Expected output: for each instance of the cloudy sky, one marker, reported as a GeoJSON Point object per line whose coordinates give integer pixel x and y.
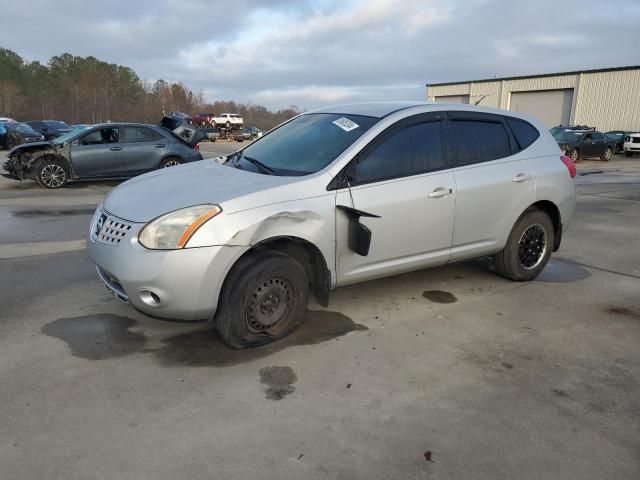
{"type": "Point", "coordinates": [310, 53]}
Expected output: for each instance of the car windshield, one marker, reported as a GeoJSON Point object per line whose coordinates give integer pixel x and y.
{"type": "Point", "coordinates": [567, 136]}
{"type": "Point", "coordinates": [304, 145]}
{"type": "Point", "coordinates": [69, 135]}
{"type": "Point", "coordinates": [24, 128]}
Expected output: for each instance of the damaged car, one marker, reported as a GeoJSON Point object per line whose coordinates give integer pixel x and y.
{"type": "Point", "coordinates": [106, 151]}
{"type": "Point", "coordinates": [330, 198]}
{"type": "Point", "coordinates": [16, 133]}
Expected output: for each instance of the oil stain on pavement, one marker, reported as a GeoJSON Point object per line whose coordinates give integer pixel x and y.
{"type": "Point", "coordinates": [102, 336]}
{"type": "Point", "coordinates": [97, 337]}
{"type": "Point", "coordinates": [279, 381]}
{"type": "Point", "coordinates": [204, 348]}
{"type": "Point", "coordinates": [439, 296]}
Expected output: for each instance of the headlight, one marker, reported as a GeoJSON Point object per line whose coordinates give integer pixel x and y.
{"type": "Point", "coordinates": [173, 230]}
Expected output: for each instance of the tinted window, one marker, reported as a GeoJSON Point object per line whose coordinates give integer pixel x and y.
{"type": "Point", "coordinates": [524, 132]}
{"type": "Point", "coordinates": [597, 136]}
{"type": "Point", "coordinates": [479, 141]}
{"type": "Point", "coordinates": [140, 134]}
{"type": "Point", "coordinates": [97, 137]}
{"type": "Point", "coordinates": [412, 150]}
{"type": "Point", "coordinates": [588, 136]}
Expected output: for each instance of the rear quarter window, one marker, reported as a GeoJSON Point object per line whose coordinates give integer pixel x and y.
{"type": "Point", "coordinates": [479, 140]}
{"type": "Point", "coordinates": [524, 132]}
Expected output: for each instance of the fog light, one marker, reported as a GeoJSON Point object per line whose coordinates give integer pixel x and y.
{"type": "Point", "coordinates": [149, 298]}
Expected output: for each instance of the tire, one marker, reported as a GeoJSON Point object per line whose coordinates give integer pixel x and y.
{"type": "Point", "coordinates": [628, 154]}
{"type": "Point", "coordinates": [170, 162]}
{"type": "Point", "coordinates": [519, 263]}
{"type": "Point", "coordinates": [252, 311]}
{"type": "Point", "coordinates": [606, 156]}
{"type": "Point", "coordinates": [574, 153]}
{"type": "Point", "coordinates": [52, 174]}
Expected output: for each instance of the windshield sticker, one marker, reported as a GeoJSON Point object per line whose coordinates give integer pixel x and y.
{"type": "Point", "coordinates": [345, 124]}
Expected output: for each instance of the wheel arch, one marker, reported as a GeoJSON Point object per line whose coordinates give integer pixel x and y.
{"type": "Point", "coordinates": [303, 251]}
{"type": "Point", "coordinates": [552, 210]}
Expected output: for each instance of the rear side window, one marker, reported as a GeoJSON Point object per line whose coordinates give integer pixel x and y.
{"type": "Point", "coordinates": [524, 132]}
{"type": "Point", "coordinates": [412, 150]}
{"type": "Point", "coordinates": [478, 141]}
{"type": "Point", "coordinates": [140, 134]}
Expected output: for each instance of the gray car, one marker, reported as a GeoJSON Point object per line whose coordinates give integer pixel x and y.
{"type": "Point", "coordinates": [330, 198]}
{"type": "Point", "coordinates": [104, 151]}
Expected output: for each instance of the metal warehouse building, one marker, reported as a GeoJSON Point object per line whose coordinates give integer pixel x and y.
{"type": "Point", "coordinates": [608, 99]}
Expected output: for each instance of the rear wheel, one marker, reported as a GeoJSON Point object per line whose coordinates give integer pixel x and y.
{"type": "Point", "coordinates": [574, 153]}
{"type": "Point", "coordinates": [52, 174]}
{"type": "Point", "coordinates": [263, 299]}
{"type": "Point", "coordinates": [608, 153]}
{"type": "Point", "coordinates": [170, 162]}
{"type": "Point", "coordinates": [528, 247]}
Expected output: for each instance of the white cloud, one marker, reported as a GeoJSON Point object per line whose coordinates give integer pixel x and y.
{"type": "Point", "coordinates": [313, 52]}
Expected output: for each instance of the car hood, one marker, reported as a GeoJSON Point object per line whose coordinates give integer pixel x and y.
{"type": "Point", "coordinates": [148, 196]}
{"type": "Point", "coordinates": [27, 147]}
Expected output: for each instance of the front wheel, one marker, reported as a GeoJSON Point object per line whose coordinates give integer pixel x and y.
{"type": "Point", "coordinates": [528, 247]}
{"type": "Point", "coordinates": [606, 156]}
{"type": "Point", "coordinates": [263, 299]}
{"type": "Point", "coordinates": [52, 174]}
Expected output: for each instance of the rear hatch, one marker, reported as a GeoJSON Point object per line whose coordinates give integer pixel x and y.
{"type": "Point", "coordinates": [185, 132]}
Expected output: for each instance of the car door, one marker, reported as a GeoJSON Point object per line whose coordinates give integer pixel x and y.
{"type": "Point", "coordinates": [587, 146]}
{"type": "Point", "coordinates": [495, 183]}
{"type": "Point", "coordinates": [403, 179]}
{"type": "Point", "coordinates": [143, 149]}
{"type": "Point", "coordinates": [599, 144]}
{"type": "Point", "coordinates": [98, 153]}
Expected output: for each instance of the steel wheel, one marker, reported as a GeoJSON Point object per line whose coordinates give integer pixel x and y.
{"type": "Point", "coordinates": [171, 163]}
{"type": "Point", "coordinates": [532, 246]}
{"type": "Point", "coordinates": [270, 303]}
{"type": "Point", "coordinates": [53, 175]}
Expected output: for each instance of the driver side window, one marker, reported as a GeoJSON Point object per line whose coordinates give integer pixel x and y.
{"type": "Point", "coordinates": [101, 136]}
{"type": "Point", "coordinates": [413, 150]}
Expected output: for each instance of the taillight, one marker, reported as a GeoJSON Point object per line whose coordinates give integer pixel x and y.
{"type": "Point", "coordinates": [569, 163]}
{"type": "Point", "coordinates": [197, 147]}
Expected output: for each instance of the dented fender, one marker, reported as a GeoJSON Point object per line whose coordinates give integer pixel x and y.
{"type": "Point", "coordinates": [315, 224]}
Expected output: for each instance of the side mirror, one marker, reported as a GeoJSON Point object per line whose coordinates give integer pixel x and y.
{"type": "Point", "coordinates": [75, 143]}
{"type": "Point", "coordinates": [359, 235]}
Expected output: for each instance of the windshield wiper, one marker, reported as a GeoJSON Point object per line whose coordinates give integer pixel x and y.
{"type": "Point", "coordinates": [261, 166]}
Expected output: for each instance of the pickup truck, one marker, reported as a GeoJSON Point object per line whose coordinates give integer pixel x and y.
{"type": "Point", "coordinates": [228, 120]}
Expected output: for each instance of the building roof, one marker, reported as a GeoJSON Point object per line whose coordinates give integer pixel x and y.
{"type": "Point", "coordinates": [521, 77]}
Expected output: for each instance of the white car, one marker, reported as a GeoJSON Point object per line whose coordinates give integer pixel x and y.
{"type": "Point", "coordinates": [330, 198]}
{"type": "Point", "coordinates": [631, 144]}
{"type": "Point", "coordinates": [228, 120]}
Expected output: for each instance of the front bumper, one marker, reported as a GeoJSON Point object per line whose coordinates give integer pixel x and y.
{"type": "Point", "coordinates": [187, 282]}
{"type": "Point", "coordinates": [631, 147]}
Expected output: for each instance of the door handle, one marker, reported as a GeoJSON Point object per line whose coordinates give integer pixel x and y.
{"type": "Point", "coordinates": [159, 145]}
{"type": "Point", "coordinates": [522, 177]}
{"type": "Point", "coordinates": [115, 149]}
{"type": "Point", "coordinates": [440, 192]}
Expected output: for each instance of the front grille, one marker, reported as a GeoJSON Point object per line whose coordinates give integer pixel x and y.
{"type": "Point", "coordinates": [110, 230]}
{"type": "Point", "coordinates": [635, 139]}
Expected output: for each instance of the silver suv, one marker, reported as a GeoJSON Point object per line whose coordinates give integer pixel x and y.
{"type": "Point", "coordinates": [330, 198]}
